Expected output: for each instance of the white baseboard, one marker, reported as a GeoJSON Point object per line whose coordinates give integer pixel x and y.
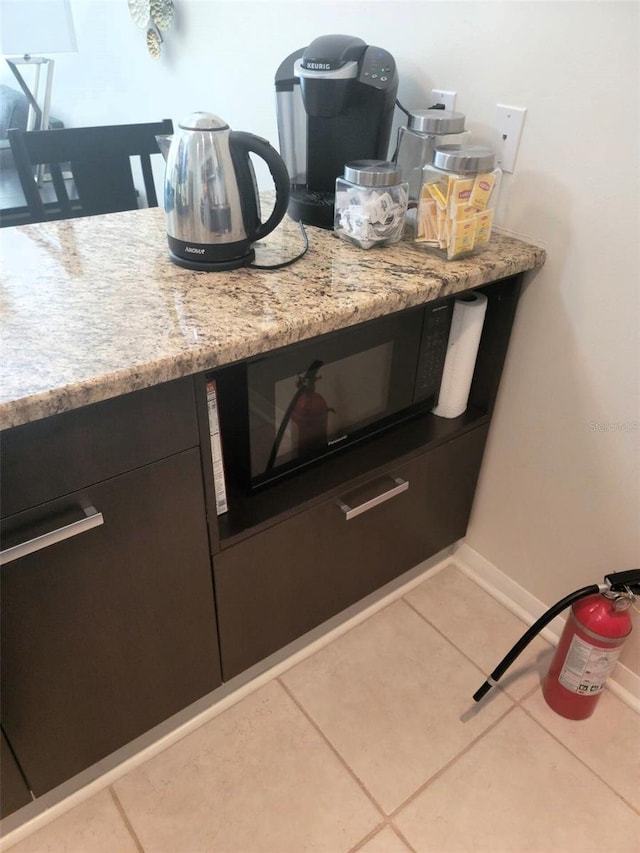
{"type": "Point", "coordinates": [623, 683]}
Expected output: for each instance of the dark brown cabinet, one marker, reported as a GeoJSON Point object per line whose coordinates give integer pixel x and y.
{"type": "Point", "coordinates": [108, 633]}
{"type": "Point", "coordinates": [111, 630]}
{"type": "Point", "coordinates": [57, 455]}
{"type": "Point", "coordinates": [276, 585]}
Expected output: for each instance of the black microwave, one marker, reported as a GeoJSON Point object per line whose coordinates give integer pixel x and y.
{"type": "Point", "coordinates": [288, 408]}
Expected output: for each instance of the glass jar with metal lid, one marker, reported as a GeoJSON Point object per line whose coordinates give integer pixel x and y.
{"type": "Point", "coordinates": [457, 198]}
{"type": "Point", "coordinates": [424, 131]}
{"type": "Point", "coordinates": [370, 203]}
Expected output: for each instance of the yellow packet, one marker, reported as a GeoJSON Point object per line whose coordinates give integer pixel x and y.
{"type": "Point", "coordinates": [425, 195]}
{"type": "Point", "coordinates": [484, 221]}
{"type": "Point", "coordinates": [482, 187]}
{"type": "Point", "coordinates": [439, 192]}
{"type": "Point", "coordinates": [443, 229]}
{"type": "Point", "coordinates": [426, 221]}
{"type": "Point", "coordinates": [446, 183]}
{"type": "Point", "coordinates": [463, 211]}
{"type": "Point", "coordinates": [432, 229]}
{"type": "Point", "coordinates": [460, 190]}
{"type": "Point", "coordinates": [420, 218]}
{"type": "Point", "coordinates": [462, 238]}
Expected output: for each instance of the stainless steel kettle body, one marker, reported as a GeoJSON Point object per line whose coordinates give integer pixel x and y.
{"type": "Point", "coordinates": [210, 193]}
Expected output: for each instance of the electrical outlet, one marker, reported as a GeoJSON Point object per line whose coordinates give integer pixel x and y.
{"type": "Point", "coordinates": [442, 96]}
{"type": "Point", "coordinates": [509, 124]}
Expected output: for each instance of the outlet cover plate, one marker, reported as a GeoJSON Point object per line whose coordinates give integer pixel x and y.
{"type": "Point", "coordinates": [444, 96]}
{"type": "Point", "coordinates": [509, 123]}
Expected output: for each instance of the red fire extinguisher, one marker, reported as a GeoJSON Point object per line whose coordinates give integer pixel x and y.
{"type": "Point", "coordinates": [591, 642]}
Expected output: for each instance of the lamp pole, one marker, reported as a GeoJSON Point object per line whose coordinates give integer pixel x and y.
{"type": "Point", "coordinates": [38, 115]}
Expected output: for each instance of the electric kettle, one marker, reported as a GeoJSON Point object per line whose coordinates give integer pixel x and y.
{"type": "Point", "coordinates": [211, 196]}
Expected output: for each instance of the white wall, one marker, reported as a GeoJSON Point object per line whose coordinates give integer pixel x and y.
{"type": "Point", "coordinates": [559, 496]}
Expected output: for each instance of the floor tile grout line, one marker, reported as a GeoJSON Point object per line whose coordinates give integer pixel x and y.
{"type": "Point", "coordinates": [499, 687]}
{"type": "Point", "coordinates": [401, 836]}
{"type": "Point", "coordinates": [635, 809]}
{"type": "Point", "coordinates": [392, 815]}
{"type": "Point", "coordinates": [351, 628]}
{"type": "Point", "coordinates": [388, 817]}
{"type": "Point", "coordinates": [367, 838]}
{"type": "Point", "coordinates": [333, 749]}
{"type": "Point", "coordinates": [125, 818]}
{"type": "Point", "coordinates": [529, 694]}
{"type": "Point", "coordinates": [451, 643]}
{"type": "Point", "coordinates": [374, 832]}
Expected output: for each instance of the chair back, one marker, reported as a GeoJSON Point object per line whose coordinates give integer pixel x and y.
{"type": "Point", "coordinates": [99, 160]}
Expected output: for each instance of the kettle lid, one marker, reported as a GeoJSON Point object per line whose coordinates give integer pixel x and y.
{"type": "Point", "coordinates": [203, 121]}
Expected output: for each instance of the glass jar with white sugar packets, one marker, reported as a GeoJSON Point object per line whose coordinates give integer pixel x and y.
{"type": "Point", "coordinates": [457, 199]}
{"type": "Point", "coordinates": [370, 203]}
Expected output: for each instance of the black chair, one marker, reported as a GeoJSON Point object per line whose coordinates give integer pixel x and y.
{"type": "Point", "coordinates": [99, 160]}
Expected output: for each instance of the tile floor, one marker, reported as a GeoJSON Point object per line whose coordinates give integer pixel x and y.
{"type": "Point", "coordinates": [373, 744]}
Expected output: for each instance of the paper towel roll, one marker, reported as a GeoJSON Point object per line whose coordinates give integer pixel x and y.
{"type": "Point", "coordinates": [462, 350]}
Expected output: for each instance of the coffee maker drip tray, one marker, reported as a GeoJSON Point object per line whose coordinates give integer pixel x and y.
{"type": "Point", "coordinates": [311, 206]}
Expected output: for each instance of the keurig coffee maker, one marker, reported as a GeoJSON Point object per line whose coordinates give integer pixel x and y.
{"type": "Point", "coordinates": [335, 100]}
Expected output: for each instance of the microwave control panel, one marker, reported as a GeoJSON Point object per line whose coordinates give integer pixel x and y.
{"type": "Point", "coordinates": [433, 350]}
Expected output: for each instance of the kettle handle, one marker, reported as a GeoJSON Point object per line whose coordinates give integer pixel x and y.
{"type": "Point", "coordinates": [241, 143]}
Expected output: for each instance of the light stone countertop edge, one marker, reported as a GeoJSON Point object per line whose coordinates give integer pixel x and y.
{"type": "Point", "coordinates": [81, 321]}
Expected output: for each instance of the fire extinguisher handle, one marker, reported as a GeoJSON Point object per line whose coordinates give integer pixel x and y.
{"type": "Point", "coordinates": [528, 636]}
{"type": "Point", "coordinates": [620, 581]}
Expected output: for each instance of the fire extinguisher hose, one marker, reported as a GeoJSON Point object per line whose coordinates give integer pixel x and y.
{"type": "Point", "coordinates": [528, 636]}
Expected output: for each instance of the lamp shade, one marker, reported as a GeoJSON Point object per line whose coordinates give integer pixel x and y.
{"type": "Point", "coordinates": [36, 27]}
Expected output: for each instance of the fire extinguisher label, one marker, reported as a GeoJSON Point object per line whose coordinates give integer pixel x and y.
{"type": "Point", "coordinates": [587, 667]}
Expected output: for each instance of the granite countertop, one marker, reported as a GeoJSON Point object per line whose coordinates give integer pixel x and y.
{"type": "Point", "coordinates": [92, 308]}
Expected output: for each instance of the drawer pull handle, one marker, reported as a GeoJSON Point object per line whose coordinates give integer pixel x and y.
{"type": "Point", "coordinates": [351, 512]}
{"type": "Point", "coordinates": [92, 519]}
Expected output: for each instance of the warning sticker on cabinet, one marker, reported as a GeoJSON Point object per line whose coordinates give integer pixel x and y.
{"type": "Point", "coordinates": [587, 667]}
{"type": "Point", "coordinates": [216, 448]}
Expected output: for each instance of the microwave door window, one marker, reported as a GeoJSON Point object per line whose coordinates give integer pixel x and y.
{"type": "Point", "coordinates": [320, 406]}
{"type": "Point", "coordinates": [358, 387]}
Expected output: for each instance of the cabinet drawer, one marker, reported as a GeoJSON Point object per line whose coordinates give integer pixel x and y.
{"type": "Point", "coordinates": [52, 457]}
{"type": "Point", "coordinates": [109, 632]}
{"type": "Point", "coordinates": [275, 586]}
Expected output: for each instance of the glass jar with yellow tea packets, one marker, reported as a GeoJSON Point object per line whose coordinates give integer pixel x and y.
{"type": "Point", "coordinates": [457, 198]}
